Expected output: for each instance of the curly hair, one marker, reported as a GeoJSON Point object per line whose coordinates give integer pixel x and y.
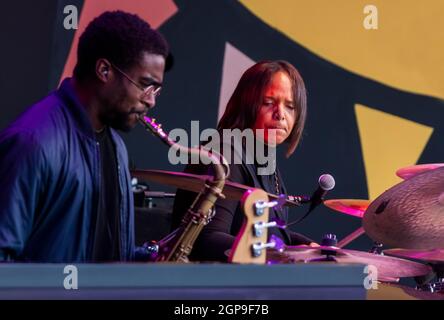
{"type": "Point", "coordinates": [120, 37]}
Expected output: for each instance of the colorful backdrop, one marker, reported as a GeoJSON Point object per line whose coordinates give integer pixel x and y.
{"type": "Point", "coordinates": [374, 95]}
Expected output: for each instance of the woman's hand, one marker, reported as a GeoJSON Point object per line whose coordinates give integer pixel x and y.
{"type": "Point", "coordinates": [313, 244]}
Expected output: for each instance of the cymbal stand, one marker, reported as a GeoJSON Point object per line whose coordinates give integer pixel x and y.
{"type": "Point", "coordinates": [435, 286]}
{"type": "Point", "coordinates": [377, 248]}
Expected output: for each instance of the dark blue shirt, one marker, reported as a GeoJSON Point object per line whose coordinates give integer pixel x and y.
{"type": "Point", "coordinates": [106, 239]}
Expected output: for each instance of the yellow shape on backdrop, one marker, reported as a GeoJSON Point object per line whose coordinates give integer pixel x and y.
{"type": "Point", "coordinates": [388, 143]}
{"type": "Point", "coordinates": [405, 51]}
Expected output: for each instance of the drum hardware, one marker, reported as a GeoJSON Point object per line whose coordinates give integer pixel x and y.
{"type": "Point", "coordinates": [328, 243]}
{"type": "Point", "coordinates": [377, 248]}
{"type": "Point", "coordinates": [434, 257]}
{"type": "Point", "coordinates": [352, 207]}
{"type": "Point", "coordinates": [388, 267]}
{"type": "Point", "coordinates": [434, 287]}
{"type": "Point", "coordinates": [437, 285]}
{"type": "Point", "coordinates": [152, 198]}
{"type": "Point", "coordinates": [151, 249]}
{"type": "Point", "coordinates": [352, 236]}
{"type": "Point", "coordinates": [138, 193]}
{"type": "Point", "coordinates": [409, 215]}
{"type": "Point", "coordinates": [329, 240]}
{"type": "Point", "coordinates": [159, 194]}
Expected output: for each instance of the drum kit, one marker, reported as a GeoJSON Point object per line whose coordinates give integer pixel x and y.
{"type": "Point", "coordinates": [408, 217]}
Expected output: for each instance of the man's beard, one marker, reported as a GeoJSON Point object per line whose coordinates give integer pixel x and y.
{"type": "Point", "coordinates": [120, 121]}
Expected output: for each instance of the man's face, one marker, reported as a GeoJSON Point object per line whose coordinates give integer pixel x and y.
{"type": "Point", "coordinates": [277, 113]}
{"type": "Point", "coordinates": [124, 101]}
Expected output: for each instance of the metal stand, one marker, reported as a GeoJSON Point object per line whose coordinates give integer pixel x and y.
{"type": "Point", "coordinates": [377, 248]}
{"type": "Point", "coordinates": [435, 286]}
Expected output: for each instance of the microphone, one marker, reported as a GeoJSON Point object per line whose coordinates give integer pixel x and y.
{"type": "Point", "coordinates": [326, 183]}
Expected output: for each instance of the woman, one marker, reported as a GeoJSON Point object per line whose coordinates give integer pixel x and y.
{"type": "Point", "coordinates": [271, 96]}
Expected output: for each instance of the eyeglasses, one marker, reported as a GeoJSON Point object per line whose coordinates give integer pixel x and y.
{"type": "Point", "coordinates": [152, 89]}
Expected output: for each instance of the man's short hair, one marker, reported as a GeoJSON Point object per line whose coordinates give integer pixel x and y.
{"type": "Point", "coordinates": [121, 38]}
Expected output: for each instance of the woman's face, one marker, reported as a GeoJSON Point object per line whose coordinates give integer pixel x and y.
{"type": "Point", "coordinates": [277, 112]}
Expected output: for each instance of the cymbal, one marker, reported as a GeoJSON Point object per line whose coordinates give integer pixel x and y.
{"type": "Point", "coordinates": [352, 207]}
{"type": "Point", "coordinates": [396, 291]}
{"type": "Point", "coordinates": [388, 267]}
{"type": "Point", "coordinates": [411, 171]}
{"type": "Point", "coordinates": [410, 214]}
{"type": "Point", "coordinates": [431, 256]}
{"type": "Point", "coordinates": [196, 183]}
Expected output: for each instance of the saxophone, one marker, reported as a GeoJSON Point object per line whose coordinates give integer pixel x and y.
{"type": "Point", "coordinates": [177, 246]}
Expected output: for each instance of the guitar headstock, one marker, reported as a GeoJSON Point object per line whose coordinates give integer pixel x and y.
{"type": "Point", "coordinates": [252, 234]}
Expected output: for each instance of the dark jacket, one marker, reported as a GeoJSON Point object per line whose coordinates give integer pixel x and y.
{"type": "Point", "coordinates": [49, 184]}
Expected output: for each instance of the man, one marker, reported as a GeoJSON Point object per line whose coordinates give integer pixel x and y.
{"type": "Point", "coordinates": [65, 193]}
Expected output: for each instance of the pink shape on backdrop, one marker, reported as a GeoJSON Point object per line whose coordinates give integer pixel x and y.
{"type": "Point", "coordinates": [154, 11]}
{"type": "Point", "coordinates": [235, 63]}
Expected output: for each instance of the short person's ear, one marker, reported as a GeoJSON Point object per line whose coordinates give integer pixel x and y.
{"type": "Point", "coordinates": [103, 67]}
